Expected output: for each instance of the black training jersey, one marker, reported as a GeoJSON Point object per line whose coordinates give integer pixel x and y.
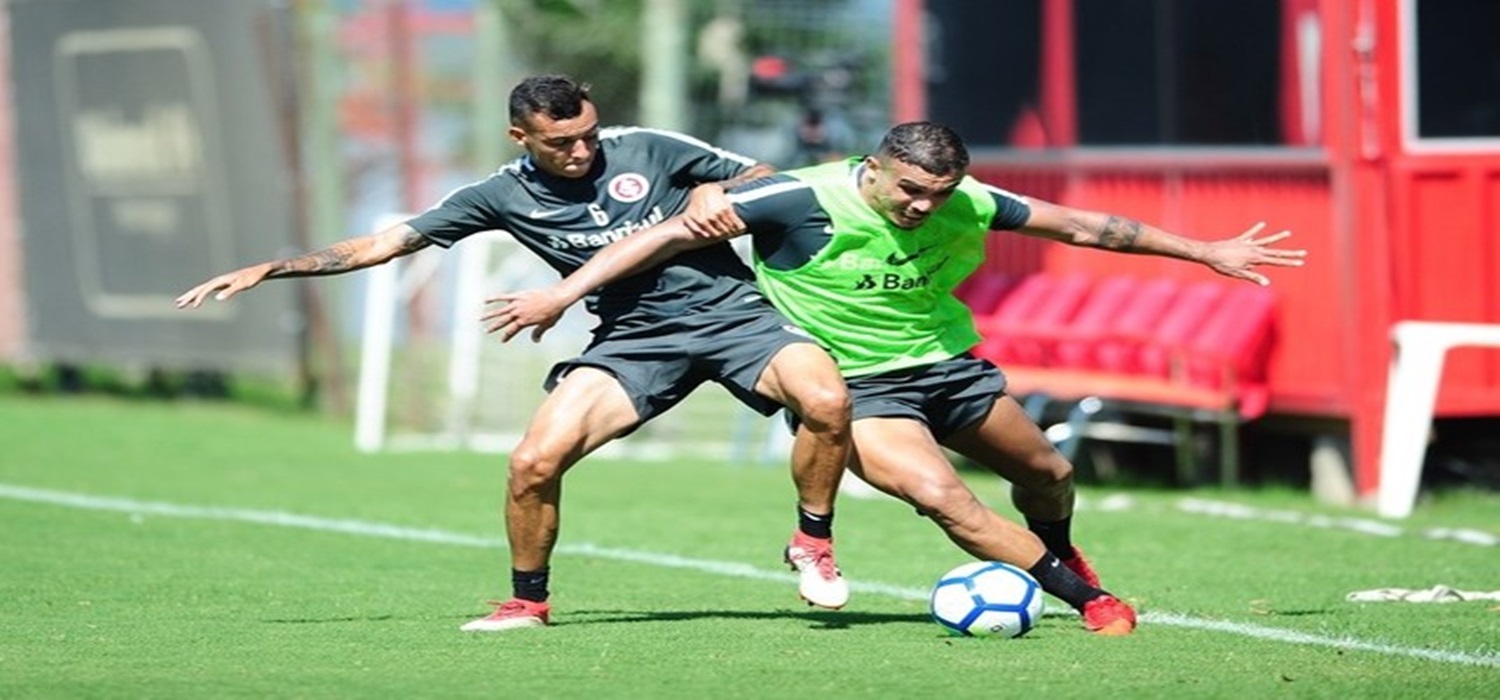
{"type": "Point", "coordinates": [639, 178]}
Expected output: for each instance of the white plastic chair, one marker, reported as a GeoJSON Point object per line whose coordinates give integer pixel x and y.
{"type": "Point", "coordinates": [1416, 369]}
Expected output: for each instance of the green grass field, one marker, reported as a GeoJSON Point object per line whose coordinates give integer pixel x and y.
{"type": "Point", "coordinates": [163, 550]}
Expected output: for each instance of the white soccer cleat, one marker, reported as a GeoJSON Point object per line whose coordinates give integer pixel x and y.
{"type": "Point", "coordinates": [822, 584]}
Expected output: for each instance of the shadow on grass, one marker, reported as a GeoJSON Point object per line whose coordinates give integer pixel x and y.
{"type": "Point", "coordinates": [1307, 612]}
{"type": "Point", "coordinates": [817, 619]}
{"type": "Point", "coordinates": [319, 621]}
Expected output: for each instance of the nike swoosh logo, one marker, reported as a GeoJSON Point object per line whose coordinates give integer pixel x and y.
{"type": "Point", "coordinates": [893, 260]}
{"type": "Point", "coordinates": [544, 213]}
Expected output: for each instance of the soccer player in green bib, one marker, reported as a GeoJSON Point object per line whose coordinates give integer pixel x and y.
{"type": "Point", "coordinates": [865, 254]}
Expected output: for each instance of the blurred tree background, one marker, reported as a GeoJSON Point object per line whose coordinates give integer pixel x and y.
{"type": "Point", "coordinates": [753, 67]}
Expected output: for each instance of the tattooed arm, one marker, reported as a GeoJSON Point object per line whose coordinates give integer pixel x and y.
{"type": "Point", "coordinates": [346, 255]}
{"type": "Point", "coordinates": [1233, 257]}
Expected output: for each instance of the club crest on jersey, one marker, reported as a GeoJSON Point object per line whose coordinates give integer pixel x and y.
{"type": "Point", "coordinates": [628, 187]}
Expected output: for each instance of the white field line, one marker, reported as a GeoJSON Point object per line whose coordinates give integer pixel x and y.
{"type": "Point", "coordinates": [1367, 526]}
{"type": "Point", "coordinates": [365, 528]}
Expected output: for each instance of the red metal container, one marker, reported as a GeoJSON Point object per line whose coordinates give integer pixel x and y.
{"type": "Point", "coordinates": [1397, 225]}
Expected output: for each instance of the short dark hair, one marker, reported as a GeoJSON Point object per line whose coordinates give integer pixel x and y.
{"type": "Point", "coordinates": [929, 146]}
{"type": "Point", "coordinates": [557, 96]}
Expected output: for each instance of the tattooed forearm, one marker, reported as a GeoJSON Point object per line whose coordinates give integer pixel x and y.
{"type": "Point", "coordinates": [328, 261]}
{"type": "Point", "coordinates": [1119, 233]}
{"type": "Point", "coordinates": [412, 242]}
{"type": "Point", "coordinates": [351, 254]}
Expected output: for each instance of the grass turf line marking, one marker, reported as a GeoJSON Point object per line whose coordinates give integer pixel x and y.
{"type": "Point", "coordinates": [366, 528]}
{"type": "Point", "coordinates": [1365, 526]}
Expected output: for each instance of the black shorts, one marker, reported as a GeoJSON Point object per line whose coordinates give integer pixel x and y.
{"type": "Point", "coordinates": [948, 396]}
{"type": "Point", "coordinates": [660, 364]}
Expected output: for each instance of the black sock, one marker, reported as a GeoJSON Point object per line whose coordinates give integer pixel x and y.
{"type": "Point", "coordinates": [1058, 536]}
{"type": "Point", "coordinates": [530, 585]}
{"type": "Point", "coordinates": [1060, 581]}
{"type": "Point", "coordinates": [819, 526]}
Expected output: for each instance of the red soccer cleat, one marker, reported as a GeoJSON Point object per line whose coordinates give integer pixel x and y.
{"type": "Point", "coordinates": [515, 613]}
{"type": "Point", "coordinates": [1108, 616]}
{"type": "Point", "coordinates": [1080, 566]}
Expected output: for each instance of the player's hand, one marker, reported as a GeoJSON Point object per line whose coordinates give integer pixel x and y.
{"type": "Point", "coordinates": [223, 286]}
{"type": "Point", "coordinates": [709, 213]}
{"type": "Point", "coordinates": [1238, 256]}
{"type": "Point", "coordinates": [516, 311]}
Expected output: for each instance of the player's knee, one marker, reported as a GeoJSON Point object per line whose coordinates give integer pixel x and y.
{"type": "Point", "coordinates": [1050, 472]}
{"type": "Point", "coordinates": [824, 409]}
{"type": "Point", "coordinates": [531, 468]}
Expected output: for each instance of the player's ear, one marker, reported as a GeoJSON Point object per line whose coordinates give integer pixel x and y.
{"type": "Point", "coordinates": [517, 134]}
{"type": "Point", "coordinates": [872, 167]}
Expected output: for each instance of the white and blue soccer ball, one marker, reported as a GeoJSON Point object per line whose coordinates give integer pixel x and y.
{"type": "Point", "coordinates": [986, 599]}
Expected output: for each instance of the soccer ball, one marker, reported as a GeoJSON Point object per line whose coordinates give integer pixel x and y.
{"type": "Point", "coordinates": [986, 599]}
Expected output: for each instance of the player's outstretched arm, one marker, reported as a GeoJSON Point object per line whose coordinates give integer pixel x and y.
{"type": "Point", "coordinates": [541, 308]}
{"type": "Point", "coordinates": [343, 256]}
{"type": "Point", "coordinates": [1232, 257]}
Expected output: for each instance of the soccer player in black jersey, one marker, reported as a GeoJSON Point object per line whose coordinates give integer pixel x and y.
{"type": "Point", "coordinates": [662, 333]}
